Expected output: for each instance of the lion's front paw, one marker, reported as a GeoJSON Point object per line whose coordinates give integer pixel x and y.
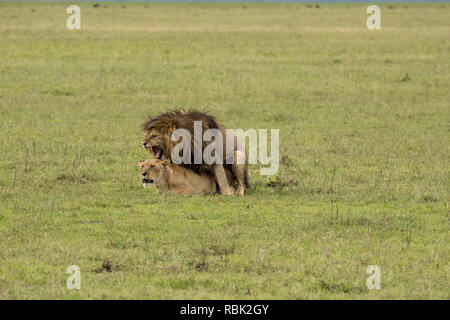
{"type": "Point", "coordinates": [228, 192]}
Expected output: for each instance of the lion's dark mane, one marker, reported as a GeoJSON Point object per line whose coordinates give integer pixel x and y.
{"type": "Point", "coordinates": [180, 119]}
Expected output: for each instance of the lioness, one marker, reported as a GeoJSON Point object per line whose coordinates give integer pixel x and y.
{"type": "Point", "coordinates": [158, 141]}
{"type": "Point", "coordinates": [167, 176]}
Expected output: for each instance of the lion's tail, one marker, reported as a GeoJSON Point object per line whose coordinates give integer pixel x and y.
{"type": "Point", "coordinates": [246, 178]}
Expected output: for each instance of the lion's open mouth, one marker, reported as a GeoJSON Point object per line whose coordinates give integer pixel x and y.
{"type": "Point", "coordinates": [147, 182]}
{"type": "Point", "coordinates": [159, 154]}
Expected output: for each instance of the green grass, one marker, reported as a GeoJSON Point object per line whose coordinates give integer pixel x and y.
{"type": "Point", "coordinates": [364, 129]}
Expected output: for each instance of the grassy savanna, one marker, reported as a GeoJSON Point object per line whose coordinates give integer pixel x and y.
{"type": "Point", "coordinates": [364, 131]}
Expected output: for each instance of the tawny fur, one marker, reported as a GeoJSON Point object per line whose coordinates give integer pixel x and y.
{"type": "Point", "coordinates": [159, 130]}
{"type": "Point", "coordinates": [168, 177]}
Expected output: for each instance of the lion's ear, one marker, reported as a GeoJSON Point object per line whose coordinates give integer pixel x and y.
{"type": "Point", "coordinates": [140, 163]}
{"type": "Point", "coordinates": [165, 163]}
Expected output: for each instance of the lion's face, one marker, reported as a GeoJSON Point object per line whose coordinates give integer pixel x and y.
{"type": "Point", "coordinates": [154, 143]}
{"type": "Point", "coordinates": [151, 170]}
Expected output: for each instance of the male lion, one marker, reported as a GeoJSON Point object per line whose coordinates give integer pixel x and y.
{"type": "Point", "coordinates": [158, 141]}
{"type": "Point", "coordinates": [168, 177]}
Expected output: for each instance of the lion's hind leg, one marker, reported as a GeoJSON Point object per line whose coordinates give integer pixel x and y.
{"type": "Point", "coordinates": [239, 170]}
